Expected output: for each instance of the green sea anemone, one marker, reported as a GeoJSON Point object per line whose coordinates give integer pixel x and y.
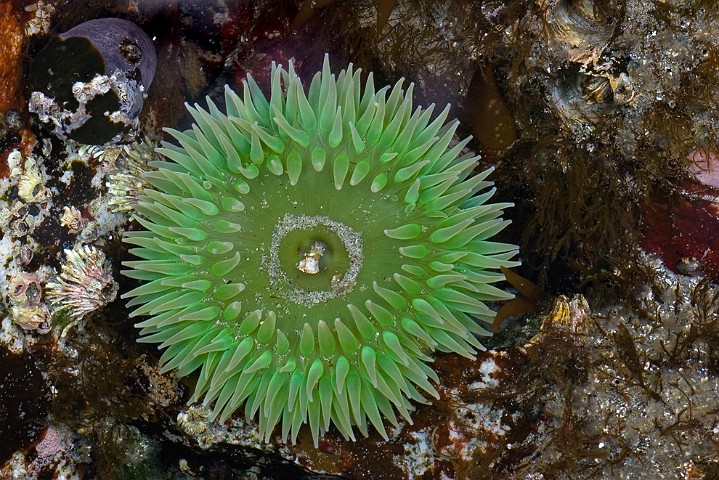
{"type": "Point", "coordinates": [309, 252]}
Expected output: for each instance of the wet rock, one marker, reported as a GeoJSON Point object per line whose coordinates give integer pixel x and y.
{"type": "Point", "coordinates": [24, 397]}
{"type": "Point", "coordinates": [89, 83]}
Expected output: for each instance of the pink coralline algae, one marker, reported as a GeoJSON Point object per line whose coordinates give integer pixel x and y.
{"type": "Point", "coordinates": [51, 444]}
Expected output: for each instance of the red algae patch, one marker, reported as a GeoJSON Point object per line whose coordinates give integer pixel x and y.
{"type": "Point", "coordinates": [680, 229]}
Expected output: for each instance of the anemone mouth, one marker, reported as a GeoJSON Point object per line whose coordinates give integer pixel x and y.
{"type": "Point", "coordinates": [313, 259]}
{"type": "Point", "coordinates": [308, 252]}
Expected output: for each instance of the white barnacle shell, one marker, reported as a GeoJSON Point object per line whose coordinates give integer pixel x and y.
{"type": "Point", "coordinates": [24, 289]}
{"type": "Point", "coordinates": [72, 219]}
{"type": "Point", "coordinates": [30, 187]}
{"type": "Point", "coordinates": [31, 317]}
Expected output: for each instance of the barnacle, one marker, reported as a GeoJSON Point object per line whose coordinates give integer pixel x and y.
{"type": "Point", "coordinates": [30, 185]}
{"type": "Point", "coordinates": [84, 285]}
{"type": "Point", "coordinates": [125, 183]}
{"type": "Point", "coordinates": [308, 252]}
{"type": "Point", "coordinates": [583, 26]}
{"type": "Point", "coordinates": [581, 99]}
{"type": "Point", "coordinates": [72, 219]}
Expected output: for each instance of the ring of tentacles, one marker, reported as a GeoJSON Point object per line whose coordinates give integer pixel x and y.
{"type": "Point", "coordinates": [309, 251]}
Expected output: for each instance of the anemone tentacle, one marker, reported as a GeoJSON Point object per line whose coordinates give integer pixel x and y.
{"type": "Point", "coordinates": [308, 252]}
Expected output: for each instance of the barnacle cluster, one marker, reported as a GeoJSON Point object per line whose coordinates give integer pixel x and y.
{"type": "Point", "coordinates": [20, 215]}
{"type": "Point", "coordinates": [63, 120]}
{"type": "Point", "coordinates": [24, 193]}
{"type": "Point", "coordinates": [26, 307]}
{"type": "Point", "coordinates": [307, 252]}
{"type": "Point", "coordinates": [40, 23]}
